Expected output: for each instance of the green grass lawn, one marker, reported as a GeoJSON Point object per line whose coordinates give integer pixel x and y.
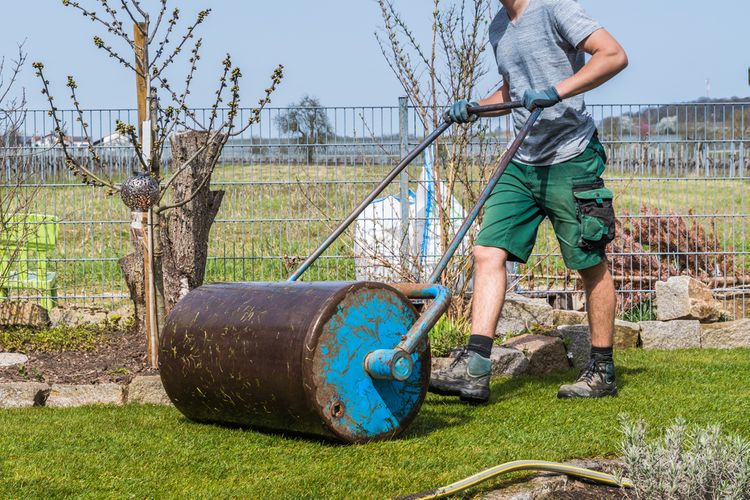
{"type": "Point", "coordinates": [147, 452]}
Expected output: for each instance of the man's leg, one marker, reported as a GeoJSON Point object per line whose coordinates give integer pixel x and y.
{"type": "Point", "coordinates": [490, 283]}
{"type": "Point", "coordinates": [601, 301]}
{"type": "Point", "coordinates": [598, 376]}
{"type": "Point", "coordinates": [469, 375]}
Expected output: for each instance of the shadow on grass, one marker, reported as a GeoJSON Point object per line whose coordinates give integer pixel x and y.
{"type": "Point", "coordinates": [438, 413]}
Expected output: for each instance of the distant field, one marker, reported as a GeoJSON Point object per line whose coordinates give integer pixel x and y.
{"type": "Point", "coordinates": [272, 211]}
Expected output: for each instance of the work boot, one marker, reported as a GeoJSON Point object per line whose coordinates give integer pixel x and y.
{"type": "Point", "coordinates": [468, 376]}
{"type": "Point", "coordinates": [597, 380]}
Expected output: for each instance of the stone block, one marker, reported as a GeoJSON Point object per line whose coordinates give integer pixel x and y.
{"type": "Point", "coordinates": [545, 354]}
{"type": "Point", "coordinates": [520, 313]}
{"type": "Point", "coordinates": [577, 340]}
{"type": "Point", "coordinates": [23, 394]}
{"type": "Point", "coordinates": [565, 318]}
{"type": "Point", "coordinates": [77, 316]}
{"type": "Point", "coordinates": [627, 334]}
{"type": "Point", "coordinates": [727, 335]}
{"type": "Point", "coordinates": [23, 313]}
{"type": "Point", "coordinates": [508, 362]}
{"type": "Point", "coordinates": [678, 334]}
{"type": "Point", "coordinates": [8, 359]}
{"type": "Point", "coordinates": [682, 297]}
{"type": "Point", "coordinates": [148, 390]}
{"type": "Point", "coordinates": [69, 396]}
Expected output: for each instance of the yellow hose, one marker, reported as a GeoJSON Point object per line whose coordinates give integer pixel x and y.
{"type": "Point", "coordinates": [520, 465]}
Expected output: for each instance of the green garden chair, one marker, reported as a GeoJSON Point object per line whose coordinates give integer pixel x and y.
{"type": "Point", "coordinates": [25, 244]}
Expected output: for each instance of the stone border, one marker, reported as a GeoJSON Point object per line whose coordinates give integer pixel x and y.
{"type": "Point", "coordinates": [141, 390]}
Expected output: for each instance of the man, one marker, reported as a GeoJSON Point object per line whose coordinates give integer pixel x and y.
{"type": "Point", "coordinates": [540, 46]}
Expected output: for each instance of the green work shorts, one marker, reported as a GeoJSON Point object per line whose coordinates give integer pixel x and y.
{"type": "Point", "coordinates": [571, 194]}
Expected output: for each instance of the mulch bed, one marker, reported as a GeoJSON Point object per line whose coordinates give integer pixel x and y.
{"type": "Point", "coordinates": [121, 357]}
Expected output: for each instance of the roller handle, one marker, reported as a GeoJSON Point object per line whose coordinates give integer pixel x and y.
{"type": "Point", "coordinates": [445, 125]}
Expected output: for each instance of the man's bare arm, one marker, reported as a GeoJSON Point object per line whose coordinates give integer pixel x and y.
{"type": "Point", "coordinates": [499, 97]}
{"type": "Point", "coordinates": [607, 59]}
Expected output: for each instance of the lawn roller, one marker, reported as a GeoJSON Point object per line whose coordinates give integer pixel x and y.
{"type": "Point", "coordinates": [344, 360]}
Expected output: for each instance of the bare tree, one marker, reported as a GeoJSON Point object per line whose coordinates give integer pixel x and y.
{"type": "Point", "coordinates": [309, 122]}
{"type": "Point", "coordinates": [186, 206]}
{"type": "Point", "coordinates": [445, 68]}
{"type": "Point", "coordinates": [16, 188]}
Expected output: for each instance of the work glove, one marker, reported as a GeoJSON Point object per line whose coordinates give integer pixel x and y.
{"type": "Point", "coordinates": [540, 98]}
{"type": "Point", "coordinates": [459, 112]}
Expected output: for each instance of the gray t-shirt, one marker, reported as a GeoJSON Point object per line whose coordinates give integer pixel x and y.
{"type": "Point", "coordinates": [538, 52]}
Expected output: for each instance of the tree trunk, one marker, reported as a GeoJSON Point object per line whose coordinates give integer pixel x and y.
{"type": "Point", "coordinates": [182, 232]}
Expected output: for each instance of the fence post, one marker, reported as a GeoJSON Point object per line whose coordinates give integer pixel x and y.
{"type": "Point", "coordinates": [403, 120]}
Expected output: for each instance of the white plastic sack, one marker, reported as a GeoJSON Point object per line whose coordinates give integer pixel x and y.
{"type": "Point", "coordinates": [378, 233]}
{"type": "Point", "coordinates": [377, 240]}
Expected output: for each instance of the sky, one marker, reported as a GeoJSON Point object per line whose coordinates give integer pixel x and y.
{"type": "Point", "coordinates": [329, 50]}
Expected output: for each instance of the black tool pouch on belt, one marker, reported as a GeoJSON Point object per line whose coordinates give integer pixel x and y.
{"type": "Point", "coordinates": [595, 215]}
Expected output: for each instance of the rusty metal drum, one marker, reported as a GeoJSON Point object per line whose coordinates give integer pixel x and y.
{"type": "Point", "coordinates": [291, 357]}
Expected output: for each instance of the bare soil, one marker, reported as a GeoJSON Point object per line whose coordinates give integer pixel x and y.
{"type": "Point", "coordinates": [121, 357]}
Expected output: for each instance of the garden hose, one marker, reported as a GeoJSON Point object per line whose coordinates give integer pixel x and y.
{"type": "Point", "coordinates": [519, 465]}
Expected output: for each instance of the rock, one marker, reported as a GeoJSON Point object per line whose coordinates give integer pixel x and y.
{"type": "Point", "coordinates": [545, 354]}
{"type": "Point", "coordinates": [736, 304]}
{"type": "Point", "coordinates": [520, 313]}
{"type": "Point", "coordinates": [23, 313]}
{"type": "Point", "coordinates": [678, 334]}
{"type": "Point", "coordinates": [148, 390]}
{"type": "Point", "coordinates": [563, 318]}
{"type": "Point", "coordinates": [577, 341]}
{"type": "Point", "coordinates": [727, 335]}
{"type": "Point", "coordinates": [508, 362]}
{"type": "Point", "coordinates": [627, 334]}
{"type": "Point", "coordinates": [682, 297]}
{"type": "Point", "coordinates": [69, 396]}
{"type": "Point", "coordinates": [8, 359]}
{"type": "Point", "coordinates": [77, 316]}
{"type": "Point", "coordinates": [23, 394]}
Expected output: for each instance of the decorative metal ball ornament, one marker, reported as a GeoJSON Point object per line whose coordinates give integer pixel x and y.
{"type": "Point", "coordinates": [140, 192]}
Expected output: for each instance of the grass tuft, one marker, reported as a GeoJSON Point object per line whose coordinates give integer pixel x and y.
{"type": "Point", "coordinates": [447, 335]}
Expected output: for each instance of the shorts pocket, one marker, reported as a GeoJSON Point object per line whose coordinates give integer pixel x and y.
{"type": "Point", "coordinates": [595, 214]}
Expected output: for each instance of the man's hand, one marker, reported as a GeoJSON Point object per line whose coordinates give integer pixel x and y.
{"type": "Point", "coordinates": [533, 99]}
{"type": "Point", "coordinates": [459, 112]}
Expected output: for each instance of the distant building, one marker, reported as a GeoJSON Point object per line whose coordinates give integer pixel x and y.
{"type": "Point", "coordinates": [113, 140]}
{"type": "Point", "coordinates": [52, 140]}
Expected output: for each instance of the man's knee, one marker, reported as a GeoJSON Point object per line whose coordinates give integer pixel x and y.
{"type": "Point", "coordinates": [489, 257]}
{"type": "Point", "coordinates": [594, 275]}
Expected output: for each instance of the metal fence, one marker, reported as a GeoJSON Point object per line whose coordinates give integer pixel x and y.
{"type": "Point", "coordinates": [679, 173]}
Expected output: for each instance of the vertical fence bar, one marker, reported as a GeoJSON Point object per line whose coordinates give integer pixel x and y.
{"type": "Point", "coordinates": [403, 121]}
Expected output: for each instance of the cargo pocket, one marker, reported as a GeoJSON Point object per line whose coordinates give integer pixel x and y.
{"type": "Point", "coordinates": [596, 215]}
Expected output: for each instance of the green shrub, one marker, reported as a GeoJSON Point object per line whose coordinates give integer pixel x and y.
{"type": "Point", "coordinates": [685, 463]}
{"type": "Point", "coordinates": [643, 311]}
{"type": "Point", "coordinates": [448, 334]}
{"type": "Point", "coordinates": [58, 339]}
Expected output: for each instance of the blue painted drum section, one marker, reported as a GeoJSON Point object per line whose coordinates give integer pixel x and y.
{"type": "Point", "coordinates": [365, 408]}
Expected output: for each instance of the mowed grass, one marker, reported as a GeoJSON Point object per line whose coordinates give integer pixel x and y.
{"type": "Point", "coordinates": [153, 452]}
{"type": "Point", "coordinates": [273, 215]}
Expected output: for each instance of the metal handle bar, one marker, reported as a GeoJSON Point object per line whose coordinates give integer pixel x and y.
{"type": "Point", "coordinates": [388, 179]}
